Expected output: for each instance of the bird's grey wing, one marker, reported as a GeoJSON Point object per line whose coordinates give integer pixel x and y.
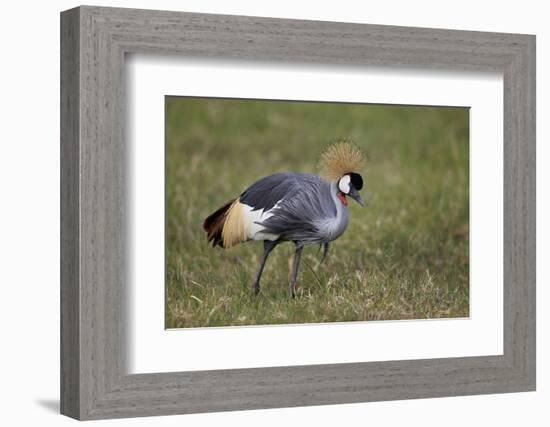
{"type": "Point", "coordinates": [297, 217]}
{"type": "Point", "coordinates": [270, 190]}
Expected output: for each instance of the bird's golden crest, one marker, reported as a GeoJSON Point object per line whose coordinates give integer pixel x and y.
{"type": "Point", "coordinates": [339, 159]}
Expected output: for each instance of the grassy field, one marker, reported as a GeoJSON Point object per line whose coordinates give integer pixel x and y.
{"type": "Point", "coordinates": [404, 256]}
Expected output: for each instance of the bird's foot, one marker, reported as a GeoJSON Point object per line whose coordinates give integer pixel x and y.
{"type": "Point", "coordinates": [256, 288]}
{"type": "Point", "coordinates": [325, 253]}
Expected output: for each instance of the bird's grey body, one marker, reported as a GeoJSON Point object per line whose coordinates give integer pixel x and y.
{"type": "Point", "coordinates": [296, 207]}
{"type": "Point", "coordinates": [300, 207]}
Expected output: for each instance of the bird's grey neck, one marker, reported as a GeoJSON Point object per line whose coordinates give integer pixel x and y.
{"type": "Point", "coordinates": [341, 209]}
{"type": "Point", "coordinates": [338, 225]}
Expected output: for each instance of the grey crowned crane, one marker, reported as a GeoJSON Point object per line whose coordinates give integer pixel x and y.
{"type": "Point", "coordinates": [292, 207]}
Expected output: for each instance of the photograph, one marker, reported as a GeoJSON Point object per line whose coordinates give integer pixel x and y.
{"type": "Point", "coordinates": [290, 214]}
{"type": "Point", "coordinates": [293, 212]}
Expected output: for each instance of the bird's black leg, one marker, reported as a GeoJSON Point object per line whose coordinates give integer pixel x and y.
{"type": "Point", "coordinates": [294, 274]}
{"type": "Point", "coordinates": [268, 247]}
{"type": "Point", "coordinates": [325, 252]}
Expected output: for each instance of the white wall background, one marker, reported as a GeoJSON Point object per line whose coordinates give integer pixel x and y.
{"type": "Point", "coordinates": [29, 213]}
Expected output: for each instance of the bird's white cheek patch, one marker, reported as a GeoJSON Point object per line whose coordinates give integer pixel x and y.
{"type": "Point", "coordinates": [343, 184]}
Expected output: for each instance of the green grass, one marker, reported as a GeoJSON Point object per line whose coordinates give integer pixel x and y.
{"type": "Point", "coordinates": [404, 256]}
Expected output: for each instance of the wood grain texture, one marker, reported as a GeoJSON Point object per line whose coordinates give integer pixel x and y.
{"type": "Point", "coordinates": [94, 382]}
{"type": "Point", "coordinates": [70, 221]}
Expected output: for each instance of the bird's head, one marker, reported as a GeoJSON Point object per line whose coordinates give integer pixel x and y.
{"type": "Point", "coordinates": [349, 185]}
{"type": "Point", "coordinates": [336, 162]}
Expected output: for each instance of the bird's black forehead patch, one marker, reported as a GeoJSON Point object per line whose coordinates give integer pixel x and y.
{"type": "Point", "coordinates": [356, 180]}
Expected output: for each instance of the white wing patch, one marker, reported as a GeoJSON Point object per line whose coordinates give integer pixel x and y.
{"type": "Point", "coordinates": [255, 231]}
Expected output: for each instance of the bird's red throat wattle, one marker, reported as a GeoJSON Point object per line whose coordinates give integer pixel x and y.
{"type": "Point", "coordinates": [342, 198]}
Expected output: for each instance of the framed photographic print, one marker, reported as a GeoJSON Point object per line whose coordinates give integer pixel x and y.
{"type": "Point", "coordinates": [261, 213]}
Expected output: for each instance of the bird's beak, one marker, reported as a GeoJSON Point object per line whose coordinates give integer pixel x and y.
{"type": "Point", "coordinates": [354, 194]}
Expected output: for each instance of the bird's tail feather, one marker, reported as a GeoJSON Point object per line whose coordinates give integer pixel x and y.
{"type": "Point", "coordinates": [213, 224]}
{"type": "Point", "coordinates": [228, 226]}
{"type": "Point", "coordinates": [235, 227]}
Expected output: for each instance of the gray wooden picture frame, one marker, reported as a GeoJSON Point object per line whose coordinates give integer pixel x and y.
{"type": "Point", "coordinates": [94, 41]}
